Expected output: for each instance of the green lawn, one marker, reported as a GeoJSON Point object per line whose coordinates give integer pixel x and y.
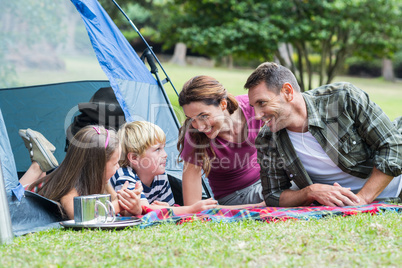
{"type": "Point", "coordinates": [355, 241]}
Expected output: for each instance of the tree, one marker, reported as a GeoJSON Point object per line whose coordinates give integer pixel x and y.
{"type": "Point", "coordinates": [139, 12]}
{"type": "Point", "coordinates": [220, 28]}
{"type": "Point", "coordinates": [143, 13]}
{"type": "Point", "coordinates": [337, 29]}
{"type": "Point", "coordinates": [387, 70]}
{"type": "Point", "coordinates": [330, 29]}
{"type": "Point", "coordinates": [179, 55]}
{"type": "Point", "coordinates": [30, 32]}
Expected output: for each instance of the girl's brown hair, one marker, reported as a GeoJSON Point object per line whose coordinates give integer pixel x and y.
{"type": "Point", "coordinates": [83, 168]}
{"type": "Point", "coordinates": [209, 91]}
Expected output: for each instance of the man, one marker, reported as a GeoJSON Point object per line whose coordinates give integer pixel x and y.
{"type": "Point", "coordinates": [338, 147]}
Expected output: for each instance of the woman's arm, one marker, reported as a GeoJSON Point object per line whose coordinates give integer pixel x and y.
{"type": "Point", "coordinates": [192, 186]}
{"type": "Point", "coordinates": [67, 202]}
{"type": "Point", "coordinates": [194, 208]}
{"type": "Point", "coordinates": [261, 204]}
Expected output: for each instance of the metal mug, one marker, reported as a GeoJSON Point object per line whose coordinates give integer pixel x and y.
{"type": "Point", "coordinates": [96, 208]}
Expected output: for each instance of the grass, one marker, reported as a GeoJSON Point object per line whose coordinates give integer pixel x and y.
{"type": "Point", "coordinates": [388, 95]}
{"type": "Point", "coordinates": [355, 241]}
{"type": "Point", "coordinates": [76, 69]}
{"type": "Point", "coordinates": [361, 240]}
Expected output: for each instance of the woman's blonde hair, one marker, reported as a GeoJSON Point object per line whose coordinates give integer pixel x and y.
{"type": "Point", "coordinates": [84, 166]}
{"type": "Point", "coordinates": [136, 137]}
{"type": "Point", "coordinates": [209, 91]}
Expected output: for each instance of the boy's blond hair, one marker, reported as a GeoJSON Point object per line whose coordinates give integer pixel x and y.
{"type": "Point", "coordinates": [136, 137]}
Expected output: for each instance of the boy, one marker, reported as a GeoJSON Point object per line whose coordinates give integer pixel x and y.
{"type": "Point", "coordinates": [144, 160]}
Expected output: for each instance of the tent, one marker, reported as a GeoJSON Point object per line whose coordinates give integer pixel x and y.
{"type": "Point", "coordinates": [51, 107]}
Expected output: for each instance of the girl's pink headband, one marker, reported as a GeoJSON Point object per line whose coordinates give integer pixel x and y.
{"type": "Point", "coordinates": [107, 135]}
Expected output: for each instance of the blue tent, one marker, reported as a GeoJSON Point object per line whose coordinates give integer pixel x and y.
{"type": "Point", "coordinates": [50, 109]}
{"type": "Point", "coordinates": [135, 88]}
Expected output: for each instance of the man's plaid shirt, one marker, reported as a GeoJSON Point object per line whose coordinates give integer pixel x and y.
{"type": "Point", "coordinates": [353, 131]}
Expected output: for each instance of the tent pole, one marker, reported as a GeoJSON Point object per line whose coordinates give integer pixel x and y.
{"type": "Point", "coordinates": [148, 46]}
{"type": "Point", "coordinates": [6, 233]}
{"type": "Point", "coordinates": [154, 70]}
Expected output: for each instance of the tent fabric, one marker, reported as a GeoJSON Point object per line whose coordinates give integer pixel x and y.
{"type": "Point", "coordinates": [33, 213]}
{"type": "Point", "coordinates": [48, 109]}
{"type": "Point", "coordinates": [135, 88]}
{"type": "Point", "coordinates": [7, 158]}
{"type": "Point", "coordinates": [29, 212]}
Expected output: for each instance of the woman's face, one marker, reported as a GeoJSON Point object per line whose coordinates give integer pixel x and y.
{"type": "Point", "coordinates": [205, 118]}
{"type": "Point", "coordinates": [112, 165]}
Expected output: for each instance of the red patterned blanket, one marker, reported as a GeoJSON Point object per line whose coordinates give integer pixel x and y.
{"type": "Point", "coordinates": [267, 214]}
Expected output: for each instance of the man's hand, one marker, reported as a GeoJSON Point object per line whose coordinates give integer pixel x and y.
{"type": "Point", "coordinates": [333, 195]}
{"type": "Point", "coordinates": [362, 201]}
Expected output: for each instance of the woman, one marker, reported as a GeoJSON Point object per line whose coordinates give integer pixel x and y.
{"type": "Point", "coordinates": [217, 139]}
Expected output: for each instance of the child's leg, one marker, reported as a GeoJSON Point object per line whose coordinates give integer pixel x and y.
{"type": "Point", "coordinates": [33, 174]}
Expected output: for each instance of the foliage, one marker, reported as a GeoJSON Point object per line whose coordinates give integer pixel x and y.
{"type": "Point", "coordinates": [314, 59]}
{"type": "Point", "coordinates": [140, 12]}
{"type": "Point", "coordinates": [363, 68]}
{"type": "Point", "coordinates": [333, 29]}
{"type": "Point", "coordinates": [31, 25]}
{"type": "Point", "coordinates": [26, 27]}
{"type": "Point", "coordinates": [338, 29]}
{"type": "Point", "coordinates": [219, 28]}
{"type": "Point", "coordinates": [8, 76]}
{"type": "Point", "coordinates": [321, 34]}
{"type": "Point", "coordinates": [398, 64]}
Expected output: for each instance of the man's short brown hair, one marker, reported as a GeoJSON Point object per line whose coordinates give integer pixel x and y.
{"type": "Point", "coordinates": [274, 76]}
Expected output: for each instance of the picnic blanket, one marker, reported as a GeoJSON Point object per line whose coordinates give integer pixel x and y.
{"type": "Point", "coordinates": [267, 214]}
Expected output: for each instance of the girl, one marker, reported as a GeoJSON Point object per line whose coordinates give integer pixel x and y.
{"type": "Point", "coordinates": [217, 139]}
{"type": "Point", "coordinates": [91, 160]}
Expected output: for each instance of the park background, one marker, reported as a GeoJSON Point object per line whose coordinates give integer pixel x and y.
{"type": "Point", "coordinates": [320, 41]}
{"type": "Point", "coordinates": [355, 41]}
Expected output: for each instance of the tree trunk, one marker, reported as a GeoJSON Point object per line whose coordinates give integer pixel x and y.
{"type": "Point", "coordinates": [286, 51]}
{"type": "Point", "coordinates": [179, 55]}
{"type": "Point", "coordinates": [388, 70]}
{"type": "Point", "coordinates": [299, 77]}
{"type": "Point", "coordinates": [230, 62]}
